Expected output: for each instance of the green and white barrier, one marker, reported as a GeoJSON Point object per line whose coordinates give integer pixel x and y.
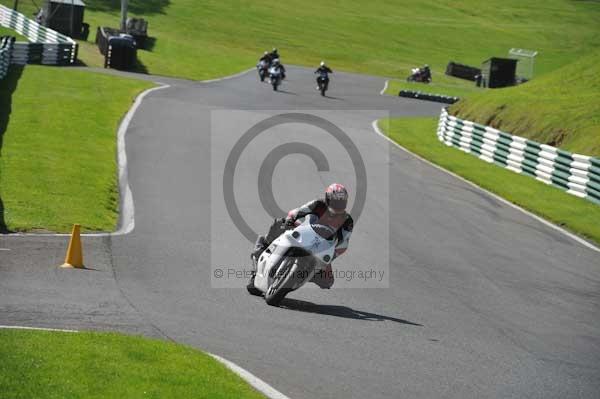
{"type": "Point", "coordinates": [6, 44]}
{"type": "Point", "coordinates": [576, 174]}
{"type": "Point", "coordinates": [45, 46]}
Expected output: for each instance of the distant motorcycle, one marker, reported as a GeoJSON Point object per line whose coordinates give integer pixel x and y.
{"type": "Point", "coordinates": [263, 68]}
{"type": "Point", "coordinates": [275, 76]}
{"type": "Point", "coordinates": [422, 75]}
{"type": "Point", "coordinates": [323, 83]}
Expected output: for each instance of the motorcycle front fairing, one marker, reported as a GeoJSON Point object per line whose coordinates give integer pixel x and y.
{"type": "Point", "coordinates": [318, 251]}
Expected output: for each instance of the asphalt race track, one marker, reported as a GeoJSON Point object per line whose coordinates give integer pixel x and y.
{"type": "Point", "coordinates": [482, 300]}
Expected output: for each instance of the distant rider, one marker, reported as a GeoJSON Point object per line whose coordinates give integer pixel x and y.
{"type": "Point", "coordinates": [274, 54]}
{"type": "Point", "coordinates": [266, 57]}
{"type": "Point", "coordinates": [278, 65]}
{"type": "Point", "coordinates": [329, 212]}
{"type": "Point", "coordinates": [323, 71]}
{"type": "Point", "coordinates": [426, 73]}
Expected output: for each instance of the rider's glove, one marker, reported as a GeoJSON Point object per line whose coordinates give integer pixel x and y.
{"type": "Point", "coordinates": [289, 221]}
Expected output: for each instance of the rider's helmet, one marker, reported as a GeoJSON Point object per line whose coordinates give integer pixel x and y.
{"type": "Point", "coordinates": [266, 52]}
{"type": "Point", "coordinates": [336, 198]}
{"type": "Point", "coordinates": [274, 49]}
{"type": "Point", "coordinates": [322, 63]}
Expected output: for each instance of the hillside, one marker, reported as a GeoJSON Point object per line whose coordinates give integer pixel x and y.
{"type": "Point", "coordinates": [203, 39]}
{"type": "Point", "coordinates": [561, 108]}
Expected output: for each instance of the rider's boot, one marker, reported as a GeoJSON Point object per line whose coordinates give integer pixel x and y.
{"type": "Point", "coordinates": [259, 247]}
{"type": "Point", "coordinates": [250, 286]}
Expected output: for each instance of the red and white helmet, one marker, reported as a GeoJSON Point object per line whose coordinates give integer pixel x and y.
{"type": "Point", "coordinates": [336, 197]}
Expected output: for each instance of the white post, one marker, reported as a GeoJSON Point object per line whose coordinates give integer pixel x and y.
{"type": "Point", "coordinates": [124, 15]}
{"type": "Point", "coordinates": [72, 17]}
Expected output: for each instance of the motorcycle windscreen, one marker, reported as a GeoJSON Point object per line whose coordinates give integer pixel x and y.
{"type": "Point", "coordinates": [310, 239]}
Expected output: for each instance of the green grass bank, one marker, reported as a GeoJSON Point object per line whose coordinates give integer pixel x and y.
{"type": "Point", "coordinates": [441, 84]}
{"type": "Point", "coordinates": [58, 148]}
{"type": "Point", "coordinates": [43, 364]}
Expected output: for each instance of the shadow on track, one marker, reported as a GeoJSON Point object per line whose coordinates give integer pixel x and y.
{"type": "Point", "coordinates": [286, 92]}
{"type": "Point", "coordinates": [339, 311]}
{"type": "Point", "coordinates": [332, 98]}
{"type": "Point", "coordinates": [7, 87]}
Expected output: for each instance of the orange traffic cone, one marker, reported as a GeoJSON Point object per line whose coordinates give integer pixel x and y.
{"type": "Point", "coordinates": [74, 256]}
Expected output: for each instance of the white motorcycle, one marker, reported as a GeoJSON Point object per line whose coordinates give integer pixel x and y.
{"type": "Point", "coordinates": [275, 76]}
{"type": "Point", "coordinates": [293, 259]}
{"type": "Point", "coordinates": [262, 68]}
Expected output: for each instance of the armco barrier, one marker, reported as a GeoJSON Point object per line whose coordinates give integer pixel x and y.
{"type": "Point", "coordinates": [577, 174]}
{"type": "Point", "coordinates": [45, 45]}
{"type": "Point", "coordinates": [440, 98]}
{"type": "Point", "coordinates": [462, 71]}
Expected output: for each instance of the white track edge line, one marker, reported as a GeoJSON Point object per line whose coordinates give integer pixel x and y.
{"type": "Point", "coordinates": [126, 222]}
{"type": "Point", "coordinates": [497, 197]}
{"type": "Point", "coordinates": [385, 86]}
{"type": "Point", "coordinates": [36, 328]}
{"type": "Point", "coordinates": [127, 212]}
{"type": "Point", "coordinates": [251, 379]}
{"type": "Point", "coordinates": [226, 77]}
{"type": "Point", "coordinates": [244, 374]}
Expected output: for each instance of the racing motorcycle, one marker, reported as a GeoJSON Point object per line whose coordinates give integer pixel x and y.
{"type": "Point", "coordinates": [293, 259]}
{"type": "Point", "coordinates": [262, 67]}
{"type": "Point", "coordinates": [275, 77]}
{"type": "Point", "coordinates": [322, 82]}
{"type": "Point", "coordinates": [422, 75]}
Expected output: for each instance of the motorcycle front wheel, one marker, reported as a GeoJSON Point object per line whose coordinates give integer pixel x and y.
{"type": "Point", "coordinates": [277, 290]}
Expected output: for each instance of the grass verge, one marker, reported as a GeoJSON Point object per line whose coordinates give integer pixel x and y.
{"type": "Point", "coordinates": [44, 364]}
{"type": "Point", "coordinates": [576, 214]}
{"type": "Point", "coordinates": [441, 84]}
{"type": "Point", "coordinates": [58, 148]}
